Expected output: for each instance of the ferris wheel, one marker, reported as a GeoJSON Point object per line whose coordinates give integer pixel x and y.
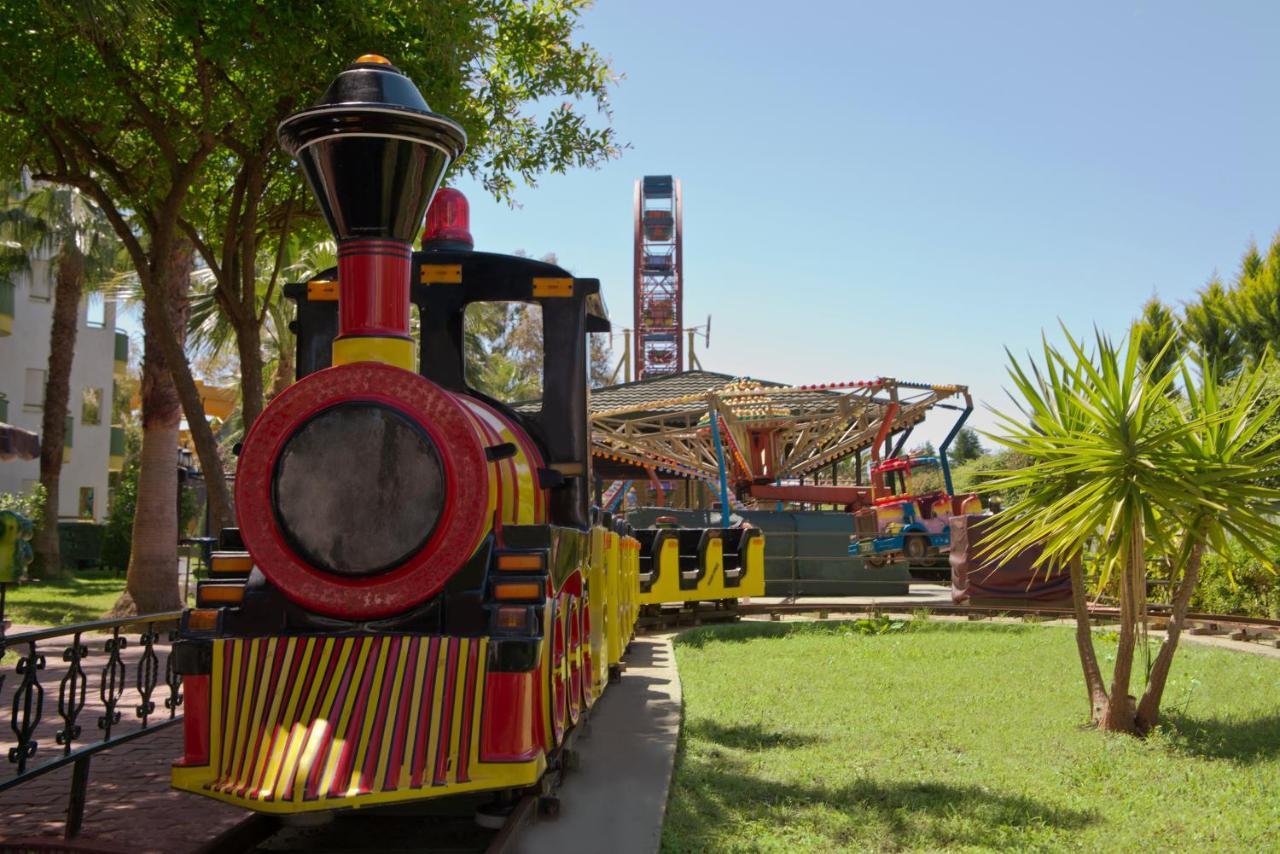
{"type": "Point", "coordinates": [658, 277]}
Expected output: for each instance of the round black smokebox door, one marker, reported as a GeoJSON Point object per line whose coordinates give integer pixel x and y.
{"type": "Point", "coordinates": [358, 489]}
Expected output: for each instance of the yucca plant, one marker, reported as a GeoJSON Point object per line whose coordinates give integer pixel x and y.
{"type": "Point", "coordinates": [1126, 467]}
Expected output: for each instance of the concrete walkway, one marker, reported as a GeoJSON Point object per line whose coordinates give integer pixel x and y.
{"type": "Point", "coordinates": [921, 595]}
{"type": "Point", "coordinates": [616, 800]}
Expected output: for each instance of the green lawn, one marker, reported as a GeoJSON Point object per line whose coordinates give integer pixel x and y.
{"type": "Point", "coordinates": [76, 598]}
{"type": "Point", "coordinates": [806, 736]}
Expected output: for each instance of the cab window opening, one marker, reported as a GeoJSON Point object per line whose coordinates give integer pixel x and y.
{"type": "Point", "coordinates": [503, 355]}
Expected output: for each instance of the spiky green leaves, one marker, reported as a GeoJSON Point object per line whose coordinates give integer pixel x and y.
{"type": "Point", "coordinates": [1117, 454]}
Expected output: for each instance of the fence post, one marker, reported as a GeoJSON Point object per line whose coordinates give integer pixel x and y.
{"type": "Point", "coordinates": [79, 790]}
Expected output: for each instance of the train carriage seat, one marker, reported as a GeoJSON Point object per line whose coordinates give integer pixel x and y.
{"type": "Point", "coordinates": [691, 549]}
{"type": "Point", "coordinates": [650, 563]}
{"type": "Point", "coordinates": [734, 541]}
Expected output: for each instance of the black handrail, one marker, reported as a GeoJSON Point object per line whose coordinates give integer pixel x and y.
{"type": "Point", "coordinates": [28, 701]}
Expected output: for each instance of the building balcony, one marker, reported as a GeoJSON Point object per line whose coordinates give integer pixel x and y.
{"type": "Point", "coordinates": [115, 461]}
{"type": "Point", "coordinates": [6, 308]}
{"type": "Point", "coordinates": [121, 368]}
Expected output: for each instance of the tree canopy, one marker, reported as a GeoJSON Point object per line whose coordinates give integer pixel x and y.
{"type": "Point", "coordinates": [1228, 325]}
{"type": "Point", "coordinates": [966, 446]}
{"type": "Point", "coordinates": [165, 114]}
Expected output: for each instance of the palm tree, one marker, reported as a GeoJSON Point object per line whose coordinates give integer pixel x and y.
{"type": "Point", "coordinates": [66, 223]}
{"type": "Point", "coordinates": [152, 581]}
{"type": "Point", "coordinates": [1123, 470]}
{"type": "Point", "coordinates": [212, 335]}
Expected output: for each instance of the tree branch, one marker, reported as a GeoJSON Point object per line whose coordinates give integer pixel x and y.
{"type": "Point", "coordinates": [280, 250]}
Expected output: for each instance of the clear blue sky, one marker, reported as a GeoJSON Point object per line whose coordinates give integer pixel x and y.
{"type": "Point", "coordinates": [904, 189]}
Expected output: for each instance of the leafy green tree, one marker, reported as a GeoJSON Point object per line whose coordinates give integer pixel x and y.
{"type": "Point", "coordinates": [63, 223]}
{"type": "Point", "coordinates": [1255, 301]}
{"type": "Point", "coordinates": [1122, 471]}
{"type": "Point", "coordinates": [966, 446]}
{"type": "Point", "coordinates": [1159, 337]}
{"type": "Point", "coordinates": [165, 115]}
{"type": "Point", "coordinates": [1209, 327]}
{"type": "Point", "coordinates": [486, 63]}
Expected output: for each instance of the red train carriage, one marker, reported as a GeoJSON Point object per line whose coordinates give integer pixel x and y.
{"type": "Point", "coordinates": [415, 602]}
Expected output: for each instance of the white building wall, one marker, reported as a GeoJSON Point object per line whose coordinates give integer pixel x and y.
{"type": "Point", "coordinates": [28, 349]}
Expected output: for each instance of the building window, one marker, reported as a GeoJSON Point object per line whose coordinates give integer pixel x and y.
{"type": "Point", "coordinates": [40, 279]}
{"type": "Point", "coordinates": [33, 397]}
{"type": "Point", "coordinates": [86, 502]}
{"type": "Point", "coordinates": [95, 311]}
{"type": "Point", "coordinates": [91, 407]}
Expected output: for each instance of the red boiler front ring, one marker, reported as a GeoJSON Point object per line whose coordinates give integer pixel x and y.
{"type": "Point", "coordinates": [361, 489]}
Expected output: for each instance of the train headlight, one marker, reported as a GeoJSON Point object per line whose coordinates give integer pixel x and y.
{"type": "Point", "coordinates": [362, 489]}
{"type": "Point", "coordinates": [358, 489]}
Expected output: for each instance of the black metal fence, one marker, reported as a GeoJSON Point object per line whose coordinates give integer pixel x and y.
{"type": "Point", "coordinates": [130, 690]}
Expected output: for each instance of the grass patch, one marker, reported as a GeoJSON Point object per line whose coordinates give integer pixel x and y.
{"type": "Point", "coordinates": [76, 598]}
{"type": "Point", "coordinates": [815, 736]}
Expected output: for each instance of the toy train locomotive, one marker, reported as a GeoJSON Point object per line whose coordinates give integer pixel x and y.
{"type": "Point", "coordinates": [418, 601]}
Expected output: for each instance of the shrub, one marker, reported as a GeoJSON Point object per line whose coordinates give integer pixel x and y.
{"type": "Point", "coordinates": [30, 505]}
{"type": "Point", "coordinates": [117, 539]}
{"type": "Point", "coordinates": [1237, 583]}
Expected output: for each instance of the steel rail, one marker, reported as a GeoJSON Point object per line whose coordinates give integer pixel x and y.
{"type": "Point", "coordinates": [837, 606]}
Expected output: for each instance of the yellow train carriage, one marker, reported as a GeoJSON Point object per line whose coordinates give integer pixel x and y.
{"type": "Point", "coordinates": [287, 724]}
{"type": "Point", "coordinates": [699, 565]}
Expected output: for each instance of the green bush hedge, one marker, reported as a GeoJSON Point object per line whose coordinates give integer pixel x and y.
{"type": "Point", "coordinates": [1238, 583]}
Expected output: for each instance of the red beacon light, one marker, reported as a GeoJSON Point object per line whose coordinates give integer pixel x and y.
{"type": "Point", "coordinates": [448, 222]}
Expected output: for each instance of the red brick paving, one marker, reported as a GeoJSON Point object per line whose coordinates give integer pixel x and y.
{"type": "Point", "coordinates": [130, 805]}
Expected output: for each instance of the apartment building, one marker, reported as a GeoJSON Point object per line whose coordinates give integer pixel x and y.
{"type": "Point", "coordinates": [93, 447]}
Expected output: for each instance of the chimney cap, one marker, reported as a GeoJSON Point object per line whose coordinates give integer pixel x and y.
{"type": "Point", "coordinates": [371, 97]}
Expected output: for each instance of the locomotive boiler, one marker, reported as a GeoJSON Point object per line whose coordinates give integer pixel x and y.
{"type": "Point", "coordinates": [416, 601]}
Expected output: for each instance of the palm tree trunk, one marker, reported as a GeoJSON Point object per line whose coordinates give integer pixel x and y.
{"type": "Point", "coordinates": [1121, 714]}
{"type": "Point", "coordinates": [170, 343]}
{"type": "Point", "coordinates": [1093, 683]}
{"type": "Point", "coordinates": [152, 582]}
{"type": "Point", "coordinates": [68, 282]}
{"type": "Point", "coordinates": [1149, 707]}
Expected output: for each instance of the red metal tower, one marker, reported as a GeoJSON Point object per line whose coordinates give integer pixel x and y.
{"type": "Point", "coordinates": [658, 277]}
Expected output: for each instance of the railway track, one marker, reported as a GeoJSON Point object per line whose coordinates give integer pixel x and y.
{"type": "Point", "coordinates": [1197, 623]}
{"type": "Point", "coordinates": [452, 825]}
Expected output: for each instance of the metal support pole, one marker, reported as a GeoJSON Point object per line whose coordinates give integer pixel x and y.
{"type": "Point", "coordinates": [902, 440]}
{"type": "Point", "coordinates": [724, 474]}
{"type": "Point", "coordinates": [75, 804]}
{"type": "Point", "coordinates": [955, 430]}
